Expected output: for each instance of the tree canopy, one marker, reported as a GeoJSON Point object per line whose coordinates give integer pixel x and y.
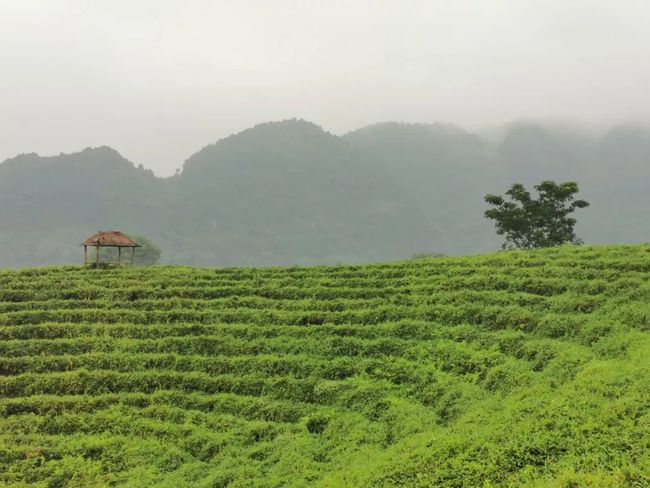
{"type": "Point", "coordinates": [146, 255]}
{"type": "Point", "coordinates": [528, 222]}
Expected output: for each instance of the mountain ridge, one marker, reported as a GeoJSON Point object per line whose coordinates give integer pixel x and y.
{"type": "Point", "coordinates": [289, 192]}
{"type": "Point", "coordinates": [615, 132]}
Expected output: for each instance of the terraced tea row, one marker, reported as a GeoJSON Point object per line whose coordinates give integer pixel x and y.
{"type": "Point", "coordinates": [507, 369]}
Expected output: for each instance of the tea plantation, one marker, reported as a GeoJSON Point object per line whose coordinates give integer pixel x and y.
{"type": "Point", "coordinates": [509, 369]}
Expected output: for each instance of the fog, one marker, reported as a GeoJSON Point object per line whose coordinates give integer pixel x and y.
{"type": "Point", "coordinates": [158, 80]}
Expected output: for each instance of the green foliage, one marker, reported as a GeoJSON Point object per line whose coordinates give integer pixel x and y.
{"type": "Point", "coordinates": [529, 223]}
{"type": "Point", "coordinates": [146, 255]}
{"type": "Point", "coordinates": [509, 369]}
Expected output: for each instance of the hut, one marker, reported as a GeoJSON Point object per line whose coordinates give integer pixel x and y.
{"type": "Point", "coordinates": [109, 238]}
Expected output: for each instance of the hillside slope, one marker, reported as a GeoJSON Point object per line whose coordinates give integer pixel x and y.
{"type": "Point", "coordinates": [48, 205]}
{"type": "Point", "coordinates": [291, 193]}
{"type": "Point", "coordinates": [279, 193]}
{"type": "Point", "coordinates": [509, 369]}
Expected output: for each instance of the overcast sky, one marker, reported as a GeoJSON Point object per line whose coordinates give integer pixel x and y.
{"type": "Point", "coordinates": [158, 80]}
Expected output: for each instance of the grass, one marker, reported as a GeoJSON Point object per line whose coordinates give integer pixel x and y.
{"type": "Point", "coordinates": [509, 369]}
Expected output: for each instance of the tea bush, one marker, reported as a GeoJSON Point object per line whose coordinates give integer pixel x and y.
{"type": "Point", "coordinates": [510, 369]}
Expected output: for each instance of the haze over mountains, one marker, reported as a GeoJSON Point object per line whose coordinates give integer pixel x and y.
{"type": "Point", "coordinates": [291, 193]}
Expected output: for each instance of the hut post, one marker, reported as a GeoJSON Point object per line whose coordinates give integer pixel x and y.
{"type": "Point", "coordinates": [97, 255]}
{"type": "Point", "coordinates": [119, 255]}
{"type": "Point", "coordinates": [133, 256]}
{"type": "Point", "coordinates": [85, 255]}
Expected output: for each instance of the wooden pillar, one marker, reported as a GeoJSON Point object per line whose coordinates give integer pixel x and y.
{"type": "Point", "coordinates": [85, 255]}
{"type": "Point", "coordinates": [97, 255]}
{"type": "Point", "coordinates": [133, 256]}
{"type": "Point", "coordinates": [119, 256]}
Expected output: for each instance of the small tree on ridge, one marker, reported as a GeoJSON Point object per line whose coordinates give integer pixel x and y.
{"type": "Point", "coordinates": [146, 255]}
{"type": "Point", "coordinates": [529, 223]}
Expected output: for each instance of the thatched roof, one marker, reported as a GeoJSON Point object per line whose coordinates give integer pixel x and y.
{"type": "Point", "coordinates": [110, 238]}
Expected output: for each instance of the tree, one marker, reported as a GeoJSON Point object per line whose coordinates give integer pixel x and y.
{"type": "Point", "coordinates": [146, 255]}
{"type": "Point", "coordinates": [529, 223]}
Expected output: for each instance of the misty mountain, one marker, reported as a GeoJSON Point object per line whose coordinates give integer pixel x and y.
{"type": "Point", "coordinates": [445, 169]}
{"type": "Point", "coordinates": [47, 203]}
{"type": "Point", "coordinates": [290, 192]}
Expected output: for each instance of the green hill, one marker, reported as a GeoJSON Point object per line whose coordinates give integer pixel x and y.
{"type": "Point", "coordinates": [288, 192]}
{"type": "Point", "coordinates": [509, 369]}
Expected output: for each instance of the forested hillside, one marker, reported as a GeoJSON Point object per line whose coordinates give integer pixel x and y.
{"type": "Point", "coordinates": [508, 369]}
{"type": "Point", "coordinates": [290, 193]}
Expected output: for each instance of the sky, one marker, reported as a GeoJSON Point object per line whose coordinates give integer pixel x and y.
{"type": "Point", "coordinates": [158, 80]}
